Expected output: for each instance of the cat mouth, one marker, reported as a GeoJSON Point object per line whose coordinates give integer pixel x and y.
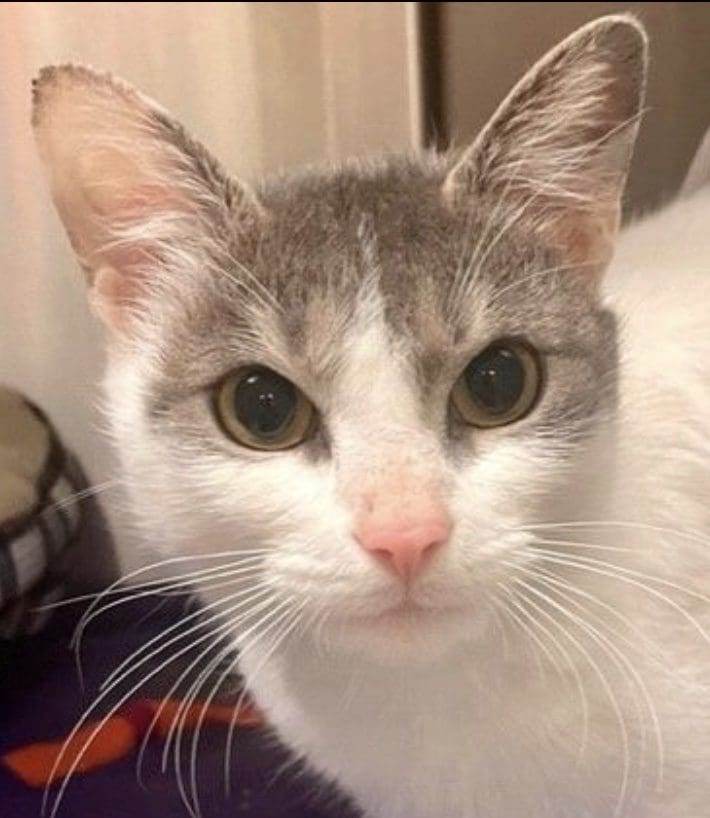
{"type": "Point", "coordinates": [406, 631]}
{"type": "Point", "coordinates": [407, 613]}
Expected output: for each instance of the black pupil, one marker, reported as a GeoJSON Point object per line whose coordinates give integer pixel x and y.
{"type": "Point", "coordinates": [496, 379]}
{"type": "Point", "coordinates": [264, 403]}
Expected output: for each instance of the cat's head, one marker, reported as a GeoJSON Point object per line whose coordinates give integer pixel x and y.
{"type": "Point", "coordinates": [383, 374]}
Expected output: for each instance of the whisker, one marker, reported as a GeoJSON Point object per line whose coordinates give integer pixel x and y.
{"type": "Point", "coordinates": [130, 662]}
{"type": "Point", "coordinates": [625, 665]}
{"type": "Point", "coordinates": [503, 609]}
{"type": "Point", "coordinates": [218, 635]}
{"type": "Point", "coordinates": [320, 620]}
{"type": "Point", "coordinates": [79, 496]}
{"type": "Point", "coordinates": [650, 649]}
{"type": "Point", "coordinates": [617, 549]}
{"type": "Point", "coordinates": [91, 611]}
{"type": "Point", "coordinates": [689, 535]}
{"type": "Point", "coordinates": [114, 590]}
{"type": "Point", "coordinates": [183, 585]}
{"type": "Point", "coordinates": [548, 272]}
{"type": "Point", "coordinates": [283, 615]}
{"type": "Point", "coordinates": [159, 565]}
{"type": "Point", "coordinates": [242, 696]}
{"type": "Point", "coordinates": [222, 631]}
{"type": "Point", "coordinates": [178, 724]}
{"type": "Point", "coordinates": [92, 708]}
{"type": "Point", "coordinates": [579, 683]}
{"type": "Point", "coordinates": [609, 692]}
{"type": "Point", "coordinates": [264, 602]}
{"type": "Point", "coordinates": [638, 579]}
{"type": "Point", "coordinates": [237, 574]}
{"type": "Point", "coordinates": [497, 609]}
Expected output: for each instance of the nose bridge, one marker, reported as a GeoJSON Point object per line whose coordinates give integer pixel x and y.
{"type": "Point", "coordinates": [387, 455]}
{"type": "Point", "coordinates": [392, 474]}
{"type": "Point", "coordinates": [386, 448]}
{"type": "Point", "coordinates": [378, 404]}
{"type": "Point", "coordinates": [400, 490]}
{"type": "Point", "coordinates": [389, 462]}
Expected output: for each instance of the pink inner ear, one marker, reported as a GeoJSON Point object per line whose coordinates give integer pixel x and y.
{"type": "Point", "coordinates": [122, 203]}
{"type": "Point", "coordinates": [110, 294]}
{"type": "Point", "coordinates": [130, 186]}
{"type": "Point", "coordinates": [122, 244]}
{"type": "Point", "coordinates": [118, 282]}
{"type": "Point", "coordinates": [119, 263]}
{"type": "Point", "coordinates": [119, 191]}
{"type": "Point", "coordinates": [586, 239]}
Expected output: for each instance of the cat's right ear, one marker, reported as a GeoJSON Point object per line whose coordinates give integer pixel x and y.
{"type": "Point", "coordinates": [555, 155]}
{"type": "Point", "coordinates": [135, 192]}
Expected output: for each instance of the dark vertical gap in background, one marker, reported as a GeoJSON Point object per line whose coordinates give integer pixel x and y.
{"type": "Point", "coordinates": [431, 54]}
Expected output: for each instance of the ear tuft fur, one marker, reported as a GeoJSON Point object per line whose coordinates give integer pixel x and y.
{"type": "Point", "coordinates": [559, 147]}
{"type": "Point", "coordinates": [133, 188]}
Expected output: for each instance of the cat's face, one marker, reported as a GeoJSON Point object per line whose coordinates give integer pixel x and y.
{"type": "Point", "coordinates": [374, 323]}
{"type": "Point", "coordinates": [379, 377]}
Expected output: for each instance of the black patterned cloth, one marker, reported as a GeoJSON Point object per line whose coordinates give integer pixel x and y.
{"type": "Point", "coordinates": [43, 530]}
{"type": "Point", "coordinates": [41, 700]}
{"type": "Point", "coordinates": [40, 518]}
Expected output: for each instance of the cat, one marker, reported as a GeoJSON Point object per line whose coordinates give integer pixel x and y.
{"type": "Point", "coordinates": [445, 436]}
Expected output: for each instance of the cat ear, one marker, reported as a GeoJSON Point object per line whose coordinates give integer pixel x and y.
{"type": "Point", "coordinates": [132, 188]}
{"type": "Point", "coordinates": [556, 153]}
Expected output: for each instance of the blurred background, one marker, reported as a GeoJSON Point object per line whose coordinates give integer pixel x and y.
{"type": "Point", "coordinates": [270, 86]}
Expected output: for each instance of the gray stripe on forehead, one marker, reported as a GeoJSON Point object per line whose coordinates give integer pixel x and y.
{"type": "Point", "coordinates": [331, 235]}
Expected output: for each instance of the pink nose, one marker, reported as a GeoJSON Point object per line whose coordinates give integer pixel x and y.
{"type": "Point", "coordinates": [405, 547]}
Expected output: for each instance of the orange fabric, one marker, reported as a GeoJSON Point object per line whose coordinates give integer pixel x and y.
{"type": "Point", "coordinates": [37, 765]}
{"type": "Point", "coordinates": [248, 716]}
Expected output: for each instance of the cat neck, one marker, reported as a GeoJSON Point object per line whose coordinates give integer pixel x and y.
{"type": "Point", "coordinates": [367, 725]}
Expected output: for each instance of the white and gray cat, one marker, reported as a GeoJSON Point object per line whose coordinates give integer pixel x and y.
{"type": "Point", "coordinates": [455, 461]}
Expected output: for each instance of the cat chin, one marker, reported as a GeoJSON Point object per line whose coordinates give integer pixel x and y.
{"type": "Point", "coordinates": [405, 637]}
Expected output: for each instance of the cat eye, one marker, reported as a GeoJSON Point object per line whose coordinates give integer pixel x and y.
{"type": "Point", "coordinates": [499, 386]}
{"type": "Point", "coordinates": [261, 409]}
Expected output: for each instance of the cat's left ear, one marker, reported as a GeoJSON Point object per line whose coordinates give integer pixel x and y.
{"type": "Point", "coordinates": [133, 189]}
{"type": "Point", "coordinates": [556, 153]}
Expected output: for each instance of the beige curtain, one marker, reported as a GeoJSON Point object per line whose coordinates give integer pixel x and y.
{"type": "Point", "coordinates": [266, 85]}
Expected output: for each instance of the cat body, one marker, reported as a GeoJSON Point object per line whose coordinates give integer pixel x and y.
{"type": "Point", "coordinates": [453, 465]}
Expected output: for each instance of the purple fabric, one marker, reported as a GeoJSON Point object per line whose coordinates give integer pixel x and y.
{"type": "Point", "coordinates": [41, 700]}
